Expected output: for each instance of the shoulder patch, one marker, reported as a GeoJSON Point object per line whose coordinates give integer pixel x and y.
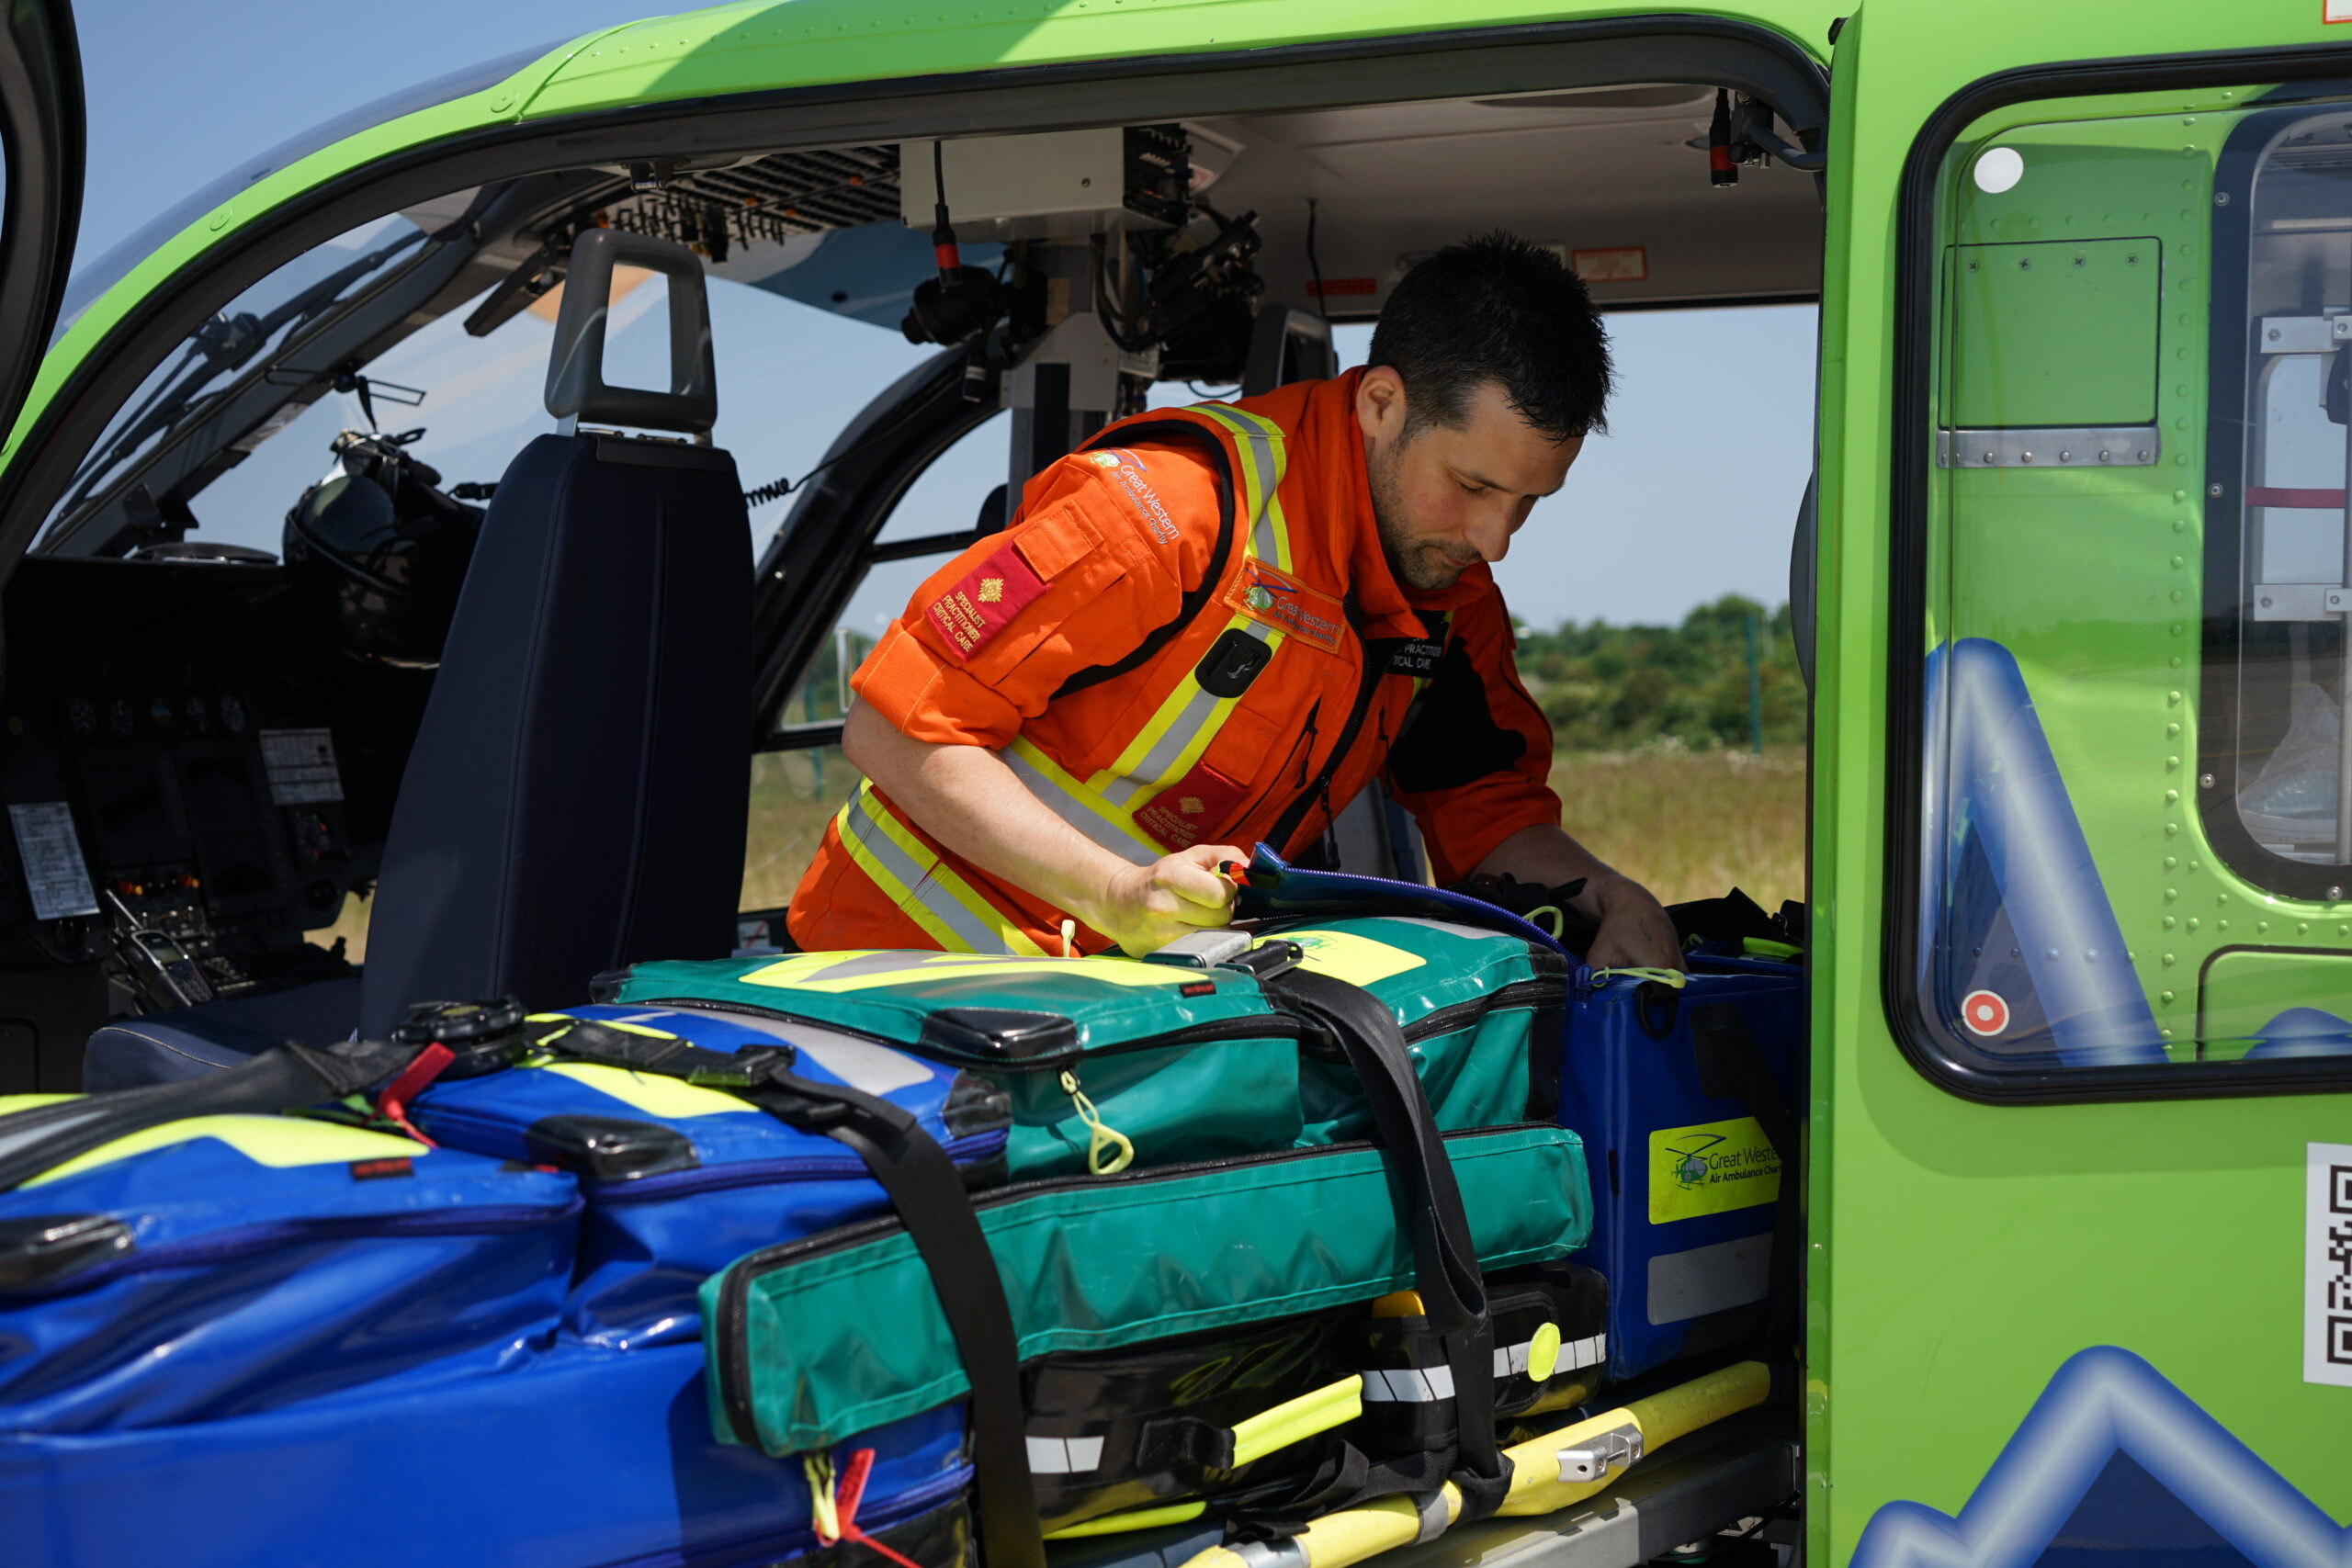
{"type": "Point", "coordinates": [1277, 599]}
{"type": "Point", "coordinates": [984, 601]}
{"type": "Point", "coordinates": [1125, 470]}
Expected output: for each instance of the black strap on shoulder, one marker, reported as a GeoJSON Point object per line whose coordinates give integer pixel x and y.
{"type": "Point", "coordinates": [284, 1077]}
{"type": "Point", "coordinates": [1445, 1259]}
{"type": "Point", "coordinates": [1732, 1066]}
{"type": "Point", "coordinates": [928, 1194]}
{"type": "Point", "coordinates": [1212, 577]}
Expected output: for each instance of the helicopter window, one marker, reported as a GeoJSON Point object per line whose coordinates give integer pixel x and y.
{"type": "Point", "coordinates": [2133, 867]}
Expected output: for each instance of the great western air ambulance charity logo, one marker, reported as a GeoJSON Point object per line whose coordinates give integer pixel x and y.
{"type": "Point", "coordinates": [1711, 1169]}
{"type": "Point", "coordinates": [1276, 599]}
{"type": "Point", "coordinates": [984, 601]}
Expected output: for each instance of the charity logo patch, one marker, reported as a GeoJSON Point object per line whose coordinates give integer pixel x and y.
{"type": "Point", "coordinates": [1278, 600]}
{"type": "Point", "coordinates": [1126, 468]}
{"type": "Point", "coordinates": [1103, 459]}
{"type": "Point", "coordinates": [1711, 1168]}
{"type": "Point", "coordinates": [984, 601]}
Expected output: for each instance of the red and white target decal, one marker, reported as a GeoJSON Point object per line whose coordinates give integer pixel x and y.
{"type": "Point", "coordinates": [1984, 1014]}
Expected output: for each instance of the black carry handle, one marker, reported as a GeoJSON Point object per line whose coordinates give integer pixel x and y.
{"type": "Point", "coordinates": [286, 1077]}
{"type": "Point", "coordinates": [1445, 1259]}
{"type": "Point", "coordinates": [928, 1194]}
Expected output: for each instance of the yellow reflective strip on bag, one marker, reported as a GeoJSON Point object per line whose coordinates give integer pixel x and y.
{"type": "Point", "coordinates": [927, 891]}
{"type": "Point", "coordinates": [278, 1142]}
{"type": "Point", "coordinates": [653, 1094]}
{"type": "Point", "coordinates": [857, 972]}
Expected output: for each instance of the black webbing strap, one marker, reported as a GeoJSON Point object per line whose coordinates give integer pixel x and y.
{"type": "Point", "coordinates": [1445, 1261]}
{"type": "Point", "coordinates": [926, 1190]}
{"type": "Point", "coordinates": [284, 1077]}
{"type": "Point", "coordinates": [1732, 1066]}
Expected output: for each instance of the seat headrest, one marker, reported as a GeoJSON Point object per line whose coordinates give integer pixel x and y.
{"type": "Point", "coordinates": [576, 385]}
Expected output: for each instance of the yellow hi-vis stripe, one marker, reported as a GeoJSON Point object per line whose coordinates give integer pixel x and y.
{"type": "Point", "coordinates": [951, 912]}
{"type": "Point", "coordinates": [1172, 741]}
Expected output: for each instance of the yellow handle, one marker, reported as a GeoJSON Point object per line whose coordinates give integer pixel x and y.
{"type": "Point", "coordinates": [1134, 1520]}
{"type": "Point", "coordinates": [1295, 1419]}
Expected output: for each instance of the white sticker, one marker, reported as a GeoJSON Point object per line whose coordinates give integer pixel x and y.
{"type": "Point", "coordinates": [300, 766]}
{"type": "Point", "coordinates": [2327, 1264]}
{"type": "Point", "coordinates": [54, 874]}
{"type": "Point", "coordinates": [2335, 11]}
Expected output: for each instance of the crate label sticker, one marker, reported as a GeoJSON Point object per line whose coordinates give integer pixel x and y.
{"type": "Point", "coordinates": [1711, 1168]}
{"type": "Point", "coordinates": [1343, 955]}
{"type": "Point", "coordinates": [2327, 1264]}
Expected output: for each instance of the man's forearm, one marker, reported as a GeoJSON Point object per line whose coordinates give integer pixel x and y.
{"type": "Point", "coordinates": [970, 801]}
{"type": "Point", "coordinates": [1548, 856]}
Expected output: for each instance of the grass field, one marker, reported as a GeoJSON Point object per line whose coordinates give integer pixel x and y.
{"type": "Point", "coordinates": [1688, 824]}
{"type": "Point", "coordinates": [1691, 824]}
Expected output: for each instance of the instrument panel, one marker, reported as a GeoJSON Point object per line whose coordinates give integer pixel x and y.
{"type": "Point", "coordinates": [195, 778]}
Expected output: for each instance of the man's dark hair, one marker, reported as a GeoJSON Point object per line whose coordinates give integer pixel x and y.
{"type": "Point", "coordinates": [1496, 309]}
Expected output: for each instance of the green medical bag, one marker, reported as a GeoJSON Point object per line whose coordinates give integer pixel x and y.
{"type": "Point", "coordinates": [1108, 1061]}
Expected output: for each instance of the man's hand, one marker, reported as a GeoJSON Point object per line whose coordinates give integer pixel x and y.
{"type": "Point", "coordinates": [1145, 907]}
{"type": "Point", "coordinates": [1635, 930]}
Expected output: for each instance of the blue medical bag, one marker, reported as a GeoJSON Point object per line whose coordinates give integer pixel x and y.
{"type": "Point", "coordinates": [578, 1458]}
{"type": "Point", "coordinates": [681, 1179]}
{"type": "Point", "coordinates": [220, 1265]}
{"type": "Point", "coordinates": [1682, 1095]}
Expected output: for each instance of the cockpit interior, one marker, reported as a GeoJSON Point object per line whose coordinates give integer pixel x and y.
{"type": "Point", "coordinates": [422, 622]}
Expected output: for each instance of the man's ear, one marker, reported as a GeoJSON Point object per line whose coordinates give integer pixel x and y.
{"type": "Point", "coordinates": [1380, 404]}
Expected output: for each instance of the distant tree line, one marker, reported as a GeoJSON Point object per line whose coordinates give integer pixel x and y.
{"type": "Point", "coordinates": [1605, 688]}
{"type": "Point", "coordinates": [1610, 688]}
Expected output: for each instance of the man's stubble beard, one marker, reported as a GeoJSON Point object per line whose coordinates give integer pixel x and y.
{"type": "Point", "coordinates": [1417, 563]}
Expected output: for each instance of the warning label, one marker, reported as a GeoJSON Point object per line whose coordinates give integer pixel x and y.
{"type": "Point", "coordinates": [54, 874]}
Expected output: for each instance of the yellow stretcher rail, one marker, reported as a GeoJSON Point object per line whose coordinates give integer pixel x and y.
{"type": "Point", "coordinates": [1548, 1473]}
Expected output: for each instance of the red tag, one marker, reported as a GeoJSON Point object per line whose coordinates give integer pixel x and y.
{"type": "Point", "coordinates": [984, 603]}
{"type": "Point", "coordinates": [377, 1170]}
{"type": "Point", "coordinates": [1183, 813]}
{"type": "Point", "coordinates": [1278, 600]}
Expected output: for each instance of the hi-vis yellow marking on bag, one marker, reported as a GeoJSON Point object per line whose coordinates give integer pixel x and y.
{"type": "Point", "coordinates": [1711, 1168]}
{"type": "Point", "coordinates": [1344, 956]}
{"type": "Point", "coordinates": [279, 1142]}
{"type": "Point", "coordinates": [808, 971]}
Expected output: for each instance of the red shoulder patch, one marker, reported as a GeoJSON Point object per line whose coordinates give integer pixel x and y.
{"type": "Point", "coordinates": [984, 601]}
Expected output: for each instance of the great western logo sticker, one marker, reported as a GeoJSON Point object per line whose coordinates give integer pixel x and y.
{"type": "Point", "coordinates": [984, 601]}
{"type": "Point", "coordinates": [1277, 599]}
{"type": "Point", "coordinates": [1711, 1168]}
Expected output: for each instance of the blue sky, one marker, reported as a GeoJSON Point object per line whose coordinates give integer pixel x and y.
{"type": "Point", "coordinates": [1691, 495]}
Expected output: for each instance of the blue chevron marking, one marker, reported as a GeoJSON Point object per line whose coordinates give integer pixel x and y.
{"type": "Point", "coordinates": [2104, 1402]}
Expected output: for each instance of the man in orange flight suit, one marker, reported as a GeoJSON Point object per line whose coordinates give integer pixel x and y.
{"type": "Point", "coordinates": [1212, 625]}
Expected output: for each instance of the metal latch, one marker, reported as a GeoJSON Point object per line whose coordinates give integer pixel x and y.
{"type": "Point", "coordinates": [1592, 1460]}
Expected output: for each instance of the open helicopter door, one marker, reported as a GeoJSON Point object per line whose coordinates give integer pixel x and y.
{"type": "Point", "coordinates": [41, 160]}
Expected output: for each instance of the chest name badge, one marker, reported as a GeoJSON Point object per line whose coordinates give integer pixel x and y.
{"type": "Point", "coordinates": [1276, 599]}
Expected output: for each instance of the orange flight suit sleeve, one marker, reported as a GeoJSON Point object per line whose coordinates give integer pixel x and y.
{"type": "Point", "coordinates": [1474, 762]}
{"type": "Point", "coordinates": [1098, 557]}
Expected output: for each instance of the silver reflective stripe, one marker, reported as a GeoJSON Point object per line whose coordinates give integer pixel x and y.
{"type": "Point", "coordinates": [1510, 1359]}
{"type": "Point", "coordinates": [1407, 1385]}
{"type": "Point", "coordinates": [1074, 812]}
{"type": "Point", "coordinates": [1064, 1456]}
{"type": "Point", "coordinates": [1430, 1509]}
{"type": "Point", "coordinates": [1287, 1552]}
{"type": "Point", "coordinates": [1684, 1285]}
{"type": "Point", "coordinates": [861, 1064]}
{"type": "Point", "coordinates": [1180, 732]}
{"type": "Point", "coordinates": [936, 901]}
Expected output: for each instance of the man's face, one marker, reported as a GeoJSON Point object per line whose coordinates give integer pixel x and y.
{"type": "Point", "coordinates": [1449, 497]}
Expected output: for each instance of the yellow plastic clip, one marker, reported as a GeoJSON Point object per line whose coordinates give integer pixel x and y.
{"type": "Point", "coordinates": [1099, 1136]}
{"type": "Point", "coordinates": [1673, 978]}
{"type": "Point", "coordinates": [823, 1517]}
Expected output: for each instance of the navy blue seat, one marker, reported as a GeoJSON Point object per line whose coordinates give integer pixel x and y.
{"type": "Point", "coordinates": [577, 795]}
